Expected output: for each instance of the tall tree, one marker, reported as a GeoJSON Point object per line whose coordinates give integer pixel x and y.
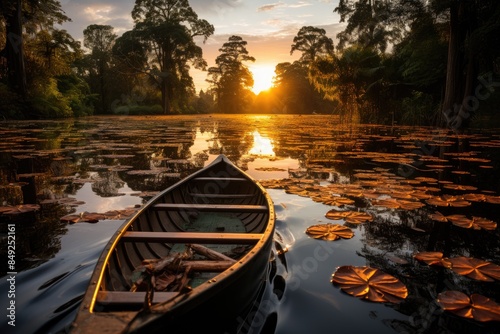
{"type": "Point", "coordinates": [346, 78]}
{"type": "Point", "coordinates": [25, 17]}
{"type": "Point", "coordinates": [130, 57]}
{"type": "Point", "coordinates": [368, 23]}
{"type": "Point", "coordinates": [99, 39]}
{"type": "Point", "coordinates": [473, 47]}
{"type": "Point", "coordinates": [14, 46]}
{"type": "Point", "coordinates": [169, 27]}
{"type": "Point", "coordinates": [231, 79]}
{"type": "Point", "coordinates": [472, 39]}
{"type": "Point", "coordinates": [313, 43]}
{"type": "Point", "coordinates": [293, 92]}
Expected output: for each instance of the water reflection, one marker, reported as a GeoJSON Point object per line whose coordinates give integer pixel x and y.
{"type": "Point", "coordinates": [262, 146]}
{"type": "Point", "coordinates": [107, 162]}
{"type": "Point", "coordinates": [206, 145]}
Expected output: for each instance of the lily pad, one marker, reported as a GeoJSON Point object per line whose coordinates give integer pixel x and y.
{"type": "Point", "coordinates": [475, 223]}
{"type": "Point", "coordinates": [329, 232]}
{"type": "Point", "coordinates": [370, 284]}
{"type": "Point", "coordinates": [433, 259]}
{"type": "Point", "coordinates": [477, 307]}
{"type": "Point", "coordinates": [448, 200]}
{"type": "Point", "coordinates": [353, 217]}
{"type": "Point", "coordinates": [475, 268]}
{"type": "Point", "coordinates": [333, 200]}
{"type": "Point", "coordinates": [18, 209]}
{"type": "Point", "coordinates": [392, 203]}
{"type": "Point", "coordinates": [439, 217]}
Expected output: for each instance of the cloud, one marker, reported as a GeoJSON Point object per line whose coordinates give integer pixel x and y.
{"type": "Point", "coordinates": [214, 6]}
{"type": "Point", "coordinates": [116, 13]}
{"type": "Point", "coordinates": [271, 6]}
{"type": "Point", "coordinates": [300, 4]}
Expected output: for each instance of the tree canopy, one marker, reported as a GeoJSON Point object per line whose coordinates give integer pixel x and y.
{"type": "Point", "coordinates": [230, 78]}
{"type": "Point", "coordinates": [168, 27]}
{"type": "Point", "coordinates": [417, 62]}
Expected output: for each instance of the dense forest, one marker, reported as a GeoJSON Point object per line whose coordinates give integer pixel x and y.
{"type": "Point", "coordinates": [426, 62]}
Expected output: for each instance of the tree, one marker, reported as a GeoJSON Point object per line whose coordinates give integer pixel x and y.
{"type": "Point", "coordinates": [293, 93]}
{"type": "Point", "coordinates": [416, 76]}
{"type": "Point", "coordinates": [313, 43]}
{"type": "Point", "coordinates": [369, 23]}
{"type": "Point", "coordinates": [14, 46]}
{"type": "Point", "coordinates": [473, 47]}
{"type": "Point", "coordinates": [29, 16]}
{"type": "Point", "coordinates": [346, 78]}
{"type": "Point", "coordinates": [130, 59]}
{"type": "Point", "coordinates": [169, 28]}
{"type": "Point", "coordinates": [99, 39]}
{"type": "Point", "coordinates": [231, 79]}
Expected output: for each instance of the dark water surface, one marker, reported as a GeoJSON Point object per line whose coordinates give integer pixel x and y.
{"type": "Point", "coordinates": [102, 164]}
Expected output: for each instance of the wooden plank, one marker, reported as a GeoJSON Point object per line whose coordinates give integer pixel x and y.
{"type": "Point", "coordinates": [211, 207]}
{"type": "Point", "coordinates": [113, 298]}
{"type": "Point", "coordinates": [210, 253]}
{"type": "Point", "coordinates": [222, 196]}
{"type": "Point", "coordinates": [214, 178]}
{"type": "Point", "coordinates": [192, 237]}
{"type": "Point", "coordinates": [198, 265]}
{"type": "Point", "coordinates": [207, 266]}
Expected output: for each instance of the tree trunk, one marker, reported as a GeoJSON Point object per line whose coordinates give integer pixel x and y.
{"type": "Point", "coordinates": [102, 88]}
{"type": "Point", "coordinates": [164, 77]}
{"type": "Point", "coordinates": [165, 100]}
{"type": "Point", "coordinates": [14, 51]}
{"type": "Point", "coordinates": [453, 95]}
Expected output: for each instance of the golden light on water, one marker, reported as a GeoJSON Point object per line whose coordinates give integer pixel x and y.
{"type": "Point", "coordinates": [261, 145]}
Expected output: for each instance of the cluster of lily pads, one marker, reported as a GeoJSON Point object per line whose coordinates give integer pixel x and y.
{"type": "Point", "coordinates": [381, 189]}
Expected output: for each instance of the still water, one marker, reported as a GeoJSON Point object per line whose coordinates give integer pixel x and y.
{"type": "Point", "coordinates": [114, 164]}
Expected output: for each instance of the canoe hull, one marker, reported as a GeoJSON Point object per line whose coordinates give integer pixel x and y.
{"type": "Point", "coordinates": [244, 218]}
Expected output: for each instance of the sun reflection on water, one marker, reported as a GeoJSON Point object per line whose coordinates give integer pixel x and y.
{"type": "Point", "coordinates": [262, 146]}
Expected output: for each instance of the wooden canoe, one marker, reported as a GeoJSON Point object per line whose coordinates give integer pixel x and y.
{"type": "Point", "coordinates": [219, 208]}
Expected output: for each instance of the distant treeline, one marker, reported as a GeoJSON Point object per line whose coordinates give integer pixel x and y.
{"type": "Point", "coordinates": [412, 62]}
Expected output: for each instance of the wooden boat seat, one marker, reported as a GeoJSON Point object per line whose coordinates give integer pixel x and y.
{"type": "Point", "coordinates": [224, 179]}
{"type": "Point", "coordinates": [212, 207]}
{"type": "Point", "coordinates": [222, 196]}
{"type": "Point", "coordinates": [116, 298]}
{"type": "Point", "coordinates": [192, 237]}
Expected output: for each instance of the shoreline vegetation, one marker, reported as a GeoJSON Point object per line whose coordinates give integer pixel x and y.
{"type": "Point", "coordinates": [426, 63]}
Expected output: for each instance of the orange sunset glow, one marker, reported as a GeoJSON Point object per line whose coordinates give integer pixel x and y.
{"type": "Point", "coordinates": [263, 76]}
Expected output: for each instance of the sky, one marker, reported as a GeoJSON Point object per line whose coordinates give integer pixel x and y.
{"type": "Point", "coordinates": [268, 26]}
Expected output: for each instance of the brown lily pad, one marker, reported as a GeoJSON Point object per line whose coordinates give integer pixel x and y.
{"type": "Point", "coordinates": [333, 200]}
{"type": "Point", "coordinates": [493, 199]}
{"type": "Point", "coordinates": [18, 209]}
{"type": "Point", "coordinates": [329, 232]}
{"type": "Point", "coordinates": [370, 284]}
{"type": "Point", "coordinates": [352, 217]}
{"type": "Point", "coordinates": [477, 307]}
{"type": "Point", "coordinates": [475, 223]}
{"type": "Point", "coordinates": [475, 268]}
{"type": "Point", "coordinates": [438, 216]}
{"type": "Point", "coordinates": [448, 200]}
{"type": "Point", "coordinates": [433, 259]}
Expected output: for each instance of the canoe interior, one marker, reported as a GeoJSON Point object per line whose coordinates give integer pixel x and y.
{"type": "Point", "coordinates": [218, 207]}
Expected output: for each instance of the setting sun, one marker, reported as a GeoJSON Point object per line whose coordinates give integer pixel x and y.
{"type": "Point", "coordinates": [263, 77]}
